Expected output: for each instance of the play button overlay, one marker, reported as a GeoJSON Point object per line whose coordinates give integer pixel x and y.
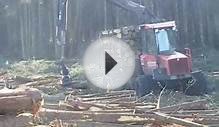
{"type": "Point", "coordinates": [109, 63]}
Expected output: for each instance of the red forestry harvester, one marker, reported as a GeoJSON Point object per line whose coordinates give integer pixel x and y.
{"type": "Point", "coordinates": [166, 67]}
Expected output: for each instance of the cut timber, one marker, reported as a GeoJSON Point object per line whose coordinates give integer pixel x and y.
{"type": "Point", "coordinates": [19, 100]}
{"type": "Point", "coordinates": [106, 98]}
{"type": "Point", "coordinates": [117, 118]}
{"type": "Point", "coordinates": [111, 93]}
{"type": "Point", "coordinates": [93, 124]}
{"type": "Point", "coordinates": [183, 122]}
{"type": "Point", "coordinates": [76, 104]}
{"type": "Point", "coordinates": [64, 107]}
{"type": "Point", "coordinates": [112, 109]}
{"type": "Point", "coordinates": [41, 82]}
{"type": "Point", "coordinates": [195, 105]}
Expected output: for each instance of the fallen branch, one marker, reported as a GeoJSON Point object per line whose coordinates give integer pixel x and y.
{"type": "Point", "coordinates": [159, 98]}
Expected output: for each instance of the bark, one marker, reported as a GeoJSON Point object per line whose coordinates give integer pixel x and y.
{"type": "Point", "coordinates": [14, 101]}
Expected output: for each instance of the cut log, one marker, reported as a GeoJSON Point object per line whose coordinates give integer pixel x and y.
{"type": "Point", "coordinates": [93, 124]}
{"type": "Point", "coordinates": [76, 104]}
{"type": "Point", "coordinates": [195, 105]}
{"type": "Point", "coordinates": [61, 107]}
{"type": "Point", "coordinates": [107, 98]}
{"type": "Point", "coordinates": [50, 115]}
{"type": "Point", "coordinates": [14, 101]}
{"type": "Point", "coordinates": [183, 122]}
{"type": "Point", "coordinates": [41, 82]}
{"type": "Point", "coordinates": [111, 93]}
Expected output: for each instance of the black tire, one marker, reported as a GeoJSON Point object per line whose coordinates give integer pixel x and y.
{"type": "Point", "coordinates": [138, 72]}
{"type": "Point", "coordinates": [198, 85]}
{"type": "Point", "coordinates": [138, 68]}
{"type": "Point", "coordinates": [143, 85]}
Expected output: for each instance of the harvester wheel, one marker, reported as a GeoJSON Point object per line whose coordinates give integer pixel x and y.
{"type": "Point", "coordinates": [138, 68]}
{"type": "Point", "coordinates": [197, 85]}
{"type": "Point", "coordinates": [143, 85]}
{"type": "Point", "coordinates": [138, 72]}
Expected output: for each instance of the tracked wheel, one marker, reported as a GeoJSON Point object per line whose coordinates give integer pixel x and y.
{"type": "Point", "coordinates": [143, 85]}
{"type": "Point", "coordinates": [197, 85]}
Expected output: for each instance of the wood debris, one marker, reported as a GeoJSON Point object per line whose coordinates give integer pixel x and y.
{"type": "Point", "coordinates": [105, 109]}
{"type": "Point", "coordinates": [75, 107]}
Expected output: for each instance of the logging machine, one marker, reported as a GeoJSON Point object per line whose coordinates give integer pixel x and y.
{"type": "Point", "coordinates": [166, 68]}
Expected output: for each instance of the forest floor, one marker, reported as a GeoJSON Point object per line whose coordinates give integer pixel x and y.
{"type": "Point", "coordinates": [44, 75]}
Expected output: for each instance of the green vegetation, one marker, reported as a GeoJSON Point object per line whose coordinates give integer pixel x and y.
{"type": "Point", "coordinates": [76, 71]}
{"type": "Point", "coordinates": [33, 67]}
{"type": "Point", "coordinates": [43, 67]}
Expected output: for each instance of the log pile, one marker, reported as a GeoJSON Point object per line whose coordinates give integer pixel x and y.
{"type": "Point", "coordinates": [124, 109]}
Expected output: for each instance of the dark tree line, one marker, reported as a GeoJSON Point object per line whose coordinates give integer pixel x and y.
{"type": "Point", "coordinates": [27, 27]}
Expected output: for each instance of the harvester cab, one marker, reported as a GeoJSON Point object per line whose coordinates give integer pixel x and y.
{"type": "Point", "coordinates": [167, 63]}
{"type": "Point", "coordinates": [164, 35]}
